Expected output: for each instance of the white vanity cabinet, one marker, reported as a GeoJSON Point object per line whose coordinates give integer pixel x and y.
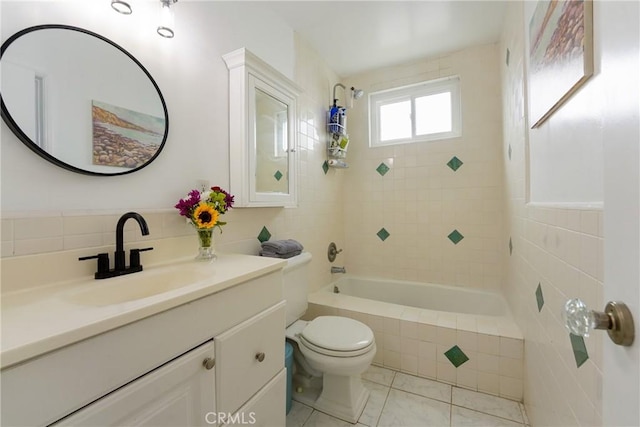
{"type": "Point", "coordinates": [210, 361]}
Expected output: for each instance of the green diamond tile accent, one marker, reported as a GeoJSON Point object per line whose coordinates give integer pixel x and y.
{"type": "Point", "coordinates": [278, 175]}
{"type": "Point", "coordinates": [325, 167]}
{"type": "Point", "coordinates": [382, 169]}
{"type": "Point", "coordinates": [509, 151]}
{"type": "Point", "coordinates": [455, 236]}
{"type": "Point", "coordinates": [264, 235]}
{"type": "Point", "coordinates": [456, 356]}
{"type": "Point", "coordinates": [539, 297]}
{"type": "Point", "coordinates": [383, 234]}
{"type": "Point", "coordinates": [454, 163]}
{"type": "Point", "coordinates": [510, 246]}
{"type": "Point", "coordinates": [507, 57]}
{"type": "Point", "coordinates": [579, 349]}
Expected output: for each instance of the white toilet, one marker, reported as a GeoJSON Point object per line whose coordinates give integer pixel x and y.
{"type": "Point", "coordinates": [330, 352]}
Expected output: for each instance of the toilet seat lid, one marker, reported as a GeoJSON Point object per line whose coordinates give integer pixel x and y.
{"type": "Point", "coordinates": [338, 334]}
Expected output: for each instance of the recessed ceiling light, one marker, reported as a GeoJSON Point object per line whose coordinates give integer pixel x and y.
{"type": "Point", "coordinates": [121, 7]}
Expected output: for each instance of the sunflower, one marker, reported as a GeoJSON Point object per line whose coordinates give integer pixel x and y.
{"type": "Point", "coordinates": [205, 216]}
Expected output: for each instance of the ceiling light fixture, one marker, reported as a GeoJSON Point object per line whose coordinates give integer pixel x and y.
{"type": "Point", "coordinates": [121, 7]}
{"type": "Point", "coordinates": [166, 25]}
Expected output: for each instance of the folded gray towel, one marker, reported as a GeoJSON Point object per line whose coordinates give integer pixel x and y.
{"type": "Point", "coordinates": [283, 256]}
{"type": "Point", "coordinates": [282, 247]}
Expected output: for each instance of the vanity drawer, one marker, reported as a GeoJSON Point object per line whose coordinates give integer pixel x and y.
{"type": "Point", "coordinates": [248, 356]}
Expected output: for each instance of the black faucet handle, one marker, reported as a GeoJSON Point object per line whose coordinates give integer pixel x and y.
{"type": "Point", "coordinates": [103, 261]}
{"type": "Point", "coordinates": [134, 257]}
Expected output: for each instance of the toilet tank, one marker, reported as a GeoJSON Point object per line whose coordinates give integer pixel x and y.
{"type": "Point", "coordinates": [295, 286]}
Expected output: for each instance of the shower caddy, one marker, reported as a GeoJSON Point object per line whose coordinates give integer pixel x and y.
{"type": "Point", "coordinates": [338, 142]}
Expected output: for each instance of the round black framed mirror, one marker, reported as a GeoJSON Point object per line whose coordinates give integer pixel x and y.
{"type": "Point", "coordinates": [81, 101]}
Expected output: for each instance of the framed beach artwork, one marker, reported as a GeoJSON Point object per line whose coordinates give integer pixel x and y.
{"type": "Point", "coordinates": [122, 137]}
{"type": "Point", "coordinates": [560, 54]}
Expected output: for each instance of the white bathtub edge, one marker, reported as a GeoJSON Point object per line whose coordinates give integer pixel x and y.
{"type": "Point", "coordinates": [503, 326]}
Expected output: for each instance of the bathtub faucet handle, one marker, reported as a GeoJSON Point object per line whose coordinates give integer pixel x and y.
{"type": "Point", "coordinates": [332, 252]}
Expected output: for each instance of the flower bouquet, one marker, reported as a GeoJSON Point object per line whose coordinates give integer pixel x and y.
{"type": "Point", "coordinates": [203, 210]}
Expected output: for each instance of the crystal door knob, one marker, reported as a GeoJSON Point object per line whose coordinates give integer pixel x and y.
{"type": "Point", "coordinates": [616, 319]}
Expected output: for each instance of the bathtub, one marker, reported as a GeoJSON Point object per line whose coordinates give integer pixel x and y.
{"type": "Point", "coordinates": [460, 336]}
{"type": "Point", "coordinates": [421, 295]}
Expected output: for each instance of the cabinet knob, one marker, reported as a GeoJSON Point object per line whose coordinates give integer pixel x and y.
{"type": "Point", "coordinates": [209, 363]}
{"type": "Point", "coordinates": [260, 356]}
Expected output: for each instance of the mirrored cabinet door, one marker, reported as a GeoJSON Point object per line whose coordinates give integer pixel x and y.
{"type": "Point", "coordinates": [263, 132]}
{"type": "Point", "coordinates": [272, 143]}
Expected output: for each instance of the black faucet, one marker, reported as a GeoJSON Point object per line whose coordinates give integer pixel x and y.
{"type": "Point", "coordinates": [120, 267]}
{"type": "Point", "coordinates": [119, 263]}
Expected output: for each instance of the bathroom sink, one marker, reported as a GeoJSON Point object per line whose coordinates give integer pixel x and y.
{"type": "Point", "coordinates": [137, 286]}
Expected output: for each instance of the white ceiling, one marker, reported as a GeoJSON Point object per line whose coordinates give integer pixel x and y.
{"type": "Point", "coordinates": [355, 36]}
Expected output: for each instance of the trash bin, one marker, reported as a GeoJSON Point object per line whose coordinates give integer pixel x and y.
{"type": "Point", "coordinates": [288, 363]}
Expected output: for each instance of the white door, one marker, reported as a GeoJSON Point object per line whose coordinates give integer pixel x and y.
{"type": "Point", "coordinates": [180, 393]}
{"type": "Point", "coordinates": [620, 49]}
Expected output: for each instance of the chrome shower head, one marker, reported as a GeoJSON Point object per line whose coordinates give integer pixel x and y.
{"type": "Point", "coordinates": [356, 93]}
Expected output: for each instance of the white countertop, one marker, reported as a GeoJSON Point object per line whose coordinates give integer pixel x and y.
{"type": "Point", "coordinates": [38, 320]}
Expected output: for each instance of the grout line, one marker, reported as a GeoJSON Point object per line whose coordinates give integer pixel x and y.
{"type": "Point", "coordinates": [383, 405]}
{"type": "Point", "coordinates": [451, 408]}
{"type": "Point", "coordinates": [492, 415]}
{"type": "Point", "coordinates": [393, 378]}
{"type": "Point", "coordinates": [386, 398]}
{"type": "Point", "coordinates": [308, 416]}
{"type": "Point", "coordinates": [421, 395]}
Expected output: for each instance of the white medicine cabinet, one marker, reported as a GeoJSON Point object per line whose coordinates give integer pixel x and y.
{"type": "Point", "coordinates": [262, 132]}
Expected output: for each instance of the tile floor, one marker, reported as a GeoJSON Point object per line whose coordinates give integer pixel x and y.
{"type": "Point", "coordinates": [399, 399]}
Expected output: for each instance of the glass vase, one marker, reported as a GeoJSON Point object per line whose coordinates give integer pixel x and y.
{"type": "Point", "coordinates": [206, 246]}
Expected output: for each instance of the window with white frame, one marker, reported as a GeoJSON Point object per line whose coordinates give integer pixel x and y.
{"type": "Point", "coordinates": [424, 111]}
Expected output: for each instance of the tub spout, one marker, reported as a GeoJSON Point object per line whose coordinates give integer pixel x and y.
{"type": "Point", "coordinates": [338, 270]}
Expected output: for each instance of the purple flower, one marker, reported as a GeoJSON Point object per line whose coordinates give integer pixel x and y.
{"type": "Point", "coordinates": [185, 206]}
{"type": "Point", "coordinates": [228, 198]}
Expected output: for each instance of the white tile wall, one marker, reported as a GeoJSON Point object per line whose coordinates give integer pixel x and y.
{"type": "Point", "coordinates": [559, 248]}
{"type": "Point", "coordinates": [420, 200]}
